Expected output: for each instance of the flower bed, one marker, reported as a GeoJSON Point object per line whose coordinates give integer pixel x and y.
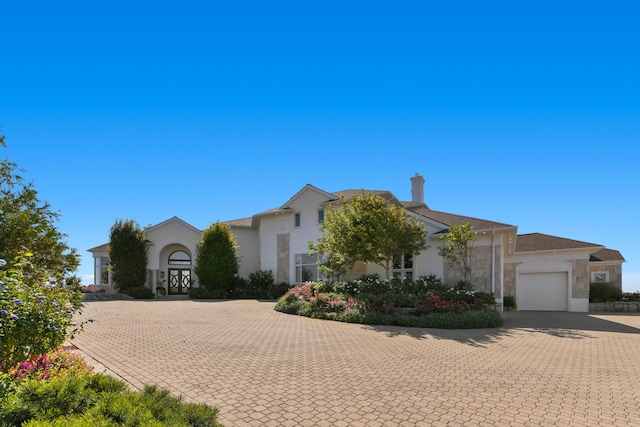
{"type": "Point", "coordinates": [437, 308]}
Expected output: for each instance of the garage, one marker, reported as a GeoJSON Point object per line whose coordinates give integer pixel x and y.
{"type": "Point", "coordinates": [546, 291]}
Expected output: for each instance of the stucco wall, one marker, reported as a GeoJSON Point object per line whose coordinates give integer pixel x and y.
{"type": "Point", "coordinates": [248, 250]}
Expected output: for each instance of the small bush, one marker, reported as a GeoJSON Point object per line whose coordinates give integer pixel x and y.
{"type": "Point", "coordinates": [56, 363]}
{"type": "Point", "coordinates": [289, 304]}
{"type": "Point", "coordinates": [139, 292]}
{"type": "Point", "coordinates": [509, 301]}
{"type": "Point", "coordinates": [92, 289]}
{"type": "Point", "coordinates": [261, 279]}
{"type": "Point", "coordinates": [279, 290]}
{"type": "Point", "coordinates": [604, 292]}
{"type": "Point", "coordinates": [631, 296]}
{"type": "Point", "coordinates": [205, 293]}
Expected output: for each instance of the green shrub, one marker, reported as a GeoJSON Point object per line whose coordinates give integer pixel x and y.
{"type": "Point", "coordinates": [631, 296]}
{"type": "Point", "coordinates": [279, 290]}
{"type": "Point", "coordinates": [509, 301]}
{"type": "Point", "coordinates": [139, 292]}
{"type": "Point", "coordinates": [36, 311]}
{"type": "Point", "coordinates": [204, 293]}
{"type": "Point", "coordinates": [99, 400]}
{"type": "Point", "coordinates": [261, 279]}
{"type": "Point", "coordinates": [217, 257]}
{"type": "Point", "coordinates": [351, 315]}
{"type": "Point", "coordinates": [128, 255]}
{"type": "Point", "coordinates": [55, 363]}
{"type": "Point", "coordinates": [604, 292]}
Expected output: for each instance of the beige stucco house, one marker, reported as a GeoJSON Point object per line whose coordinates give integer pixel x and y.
{"type": "Point", "coordinates": [542, 272]}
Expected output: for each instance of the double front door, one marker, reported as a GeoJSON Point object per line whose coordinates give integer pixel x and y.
{"type": "Point", "coordinates": [179, 281]}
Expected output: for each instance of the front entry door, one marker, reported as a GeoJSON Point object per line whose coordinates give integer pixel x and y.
{"type": "Point", "coordinates": [179, 281]}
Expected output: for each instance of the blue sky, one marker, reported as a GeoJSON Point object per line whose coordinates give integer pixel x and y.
{"type": "Point", "coordinates": [526, 113]}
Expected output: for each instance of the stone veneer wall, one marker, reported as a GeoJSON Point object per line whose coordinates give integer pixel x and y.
{"type": "Point", "coordinates": [480, 264]}
{"type": "Point", "coordinates": [284, 255]}
{"type": "Point", "coordinates": [580, 279]}
{"type": "Point", "coordinates": [614, 307]}
{"type": "Point", "coordinates": [615, 273]}
{"type": "Point", "coordinates": [510, 279]}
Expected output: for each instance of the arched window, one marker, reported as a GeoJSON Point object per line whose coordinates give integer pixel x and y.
{"type": "Point", "coordinates": [179, 258]}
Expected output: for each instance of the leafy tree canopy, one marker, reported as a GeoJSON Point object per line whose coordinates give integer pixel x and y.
{"type": "Point", "coordinates": [456, 248]}
{"type": "Point", "coordinates": [27, 224]}
{"type": "Point", "coordinates": [217, 257]}
{"type": "Point", "coordinates": [127, 255]}
{"type": "Point", "coordinates": [369, 229]}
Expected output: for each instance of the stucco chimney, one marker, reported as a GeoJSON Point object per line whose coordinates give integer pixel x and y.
{"type": "Point", "coordinates": [417, 189]}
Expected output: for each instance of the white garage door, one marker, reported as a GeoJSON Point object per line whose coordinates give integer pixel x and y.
{"type": "Point", "coordinates": [542, 291]}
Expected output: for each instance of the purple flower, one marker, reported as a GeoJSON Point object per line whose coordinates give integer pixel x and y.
{"type": "Point", "coordinates": [18, 301]}
{"type": "Point", "coordinates": [4, 312]}
{"type": "Point", "coordinates": [3, 262]}
{"type": "Point", "coordinates": [4, 288]}
{"type": "Point", "coordinates": [55, 329]}
{"type": "Point", "coordinates": [14, 317]}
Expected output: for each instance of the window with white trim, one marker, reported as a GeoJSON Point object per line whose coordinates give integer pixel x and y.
{"type": "Point", "coordinates": [306, 267]}
{"type": "Point", "coordinates": [403, 268]}
{"type": "Point", "coordinates": [599, 276]}
{"type": "Point", "coordinates": [102, 271]}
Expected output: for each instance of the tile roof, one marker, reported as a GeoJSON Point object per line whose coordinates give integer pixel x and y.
{"type": "Point", "coordinates": [452, 219]}
{"type": "Point", "coordinates": [243, 222]}
{"type": "Point", "coordinates": [543, 242]}
{"type": "Point", "coordinates": [606, 255]}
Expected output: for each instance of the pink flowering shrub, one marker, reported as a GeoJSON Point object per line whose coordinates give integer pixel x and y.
{"type": "Point", "coordinates": [329, 302]}
{"type": "Point", "coordinates": [56, 363]}
{"type": "Point", "coordinates": [416, 306]}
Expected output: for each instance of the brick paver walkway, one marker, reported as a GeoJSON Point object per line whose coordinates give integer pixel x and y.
{"type": "Point", "coordinates": [264, 368]}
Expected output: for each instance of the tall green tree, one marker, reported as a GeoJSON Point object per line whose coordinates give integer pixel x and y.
{"type": "Point", "coordinates": [217, 257]}
{"type": "Point", "coordinates": [40, 291]}
{"type": "Point", "coordinates": [457, 246]}
{"type": "Point", "coordinates": [28, 224]}
{"type": "Point", "coordinates": [128, 255]}
{"type": "Point", "coordinates": [369, 229]}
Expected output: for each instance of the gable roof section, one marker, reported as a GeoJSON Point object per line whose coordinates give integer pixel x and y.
{"type": "Point", "coordinates": [173, 219]}
{"type": "Point", "coordinates": [538, 242]}
{"type": "Point", "coordinates": [307, 187]}
{"type": "Point", "coordinates": [349, 194]}
{"type": "Point", "coordinates": [606, 255]}
{"type": "Point", "coordinates": [243, 222]}
{"type": "Point", "coordinates": [452, 219]}
{"type": "Point", "coordinates": [103, 247]}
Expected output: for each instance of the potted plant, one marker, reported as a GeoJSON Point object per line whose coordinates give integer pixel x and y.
{"type": "Point", "coordinates": [160, 289]}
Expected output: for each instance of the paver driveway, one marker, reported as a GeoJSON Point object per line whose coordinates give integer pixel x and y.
{"type": "Point", "coordinates": [264, 368]}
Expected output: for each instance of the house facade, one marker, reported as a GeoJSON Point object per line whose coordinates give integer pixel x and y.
{"type": "Point", "coordinates": [542, 272]}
